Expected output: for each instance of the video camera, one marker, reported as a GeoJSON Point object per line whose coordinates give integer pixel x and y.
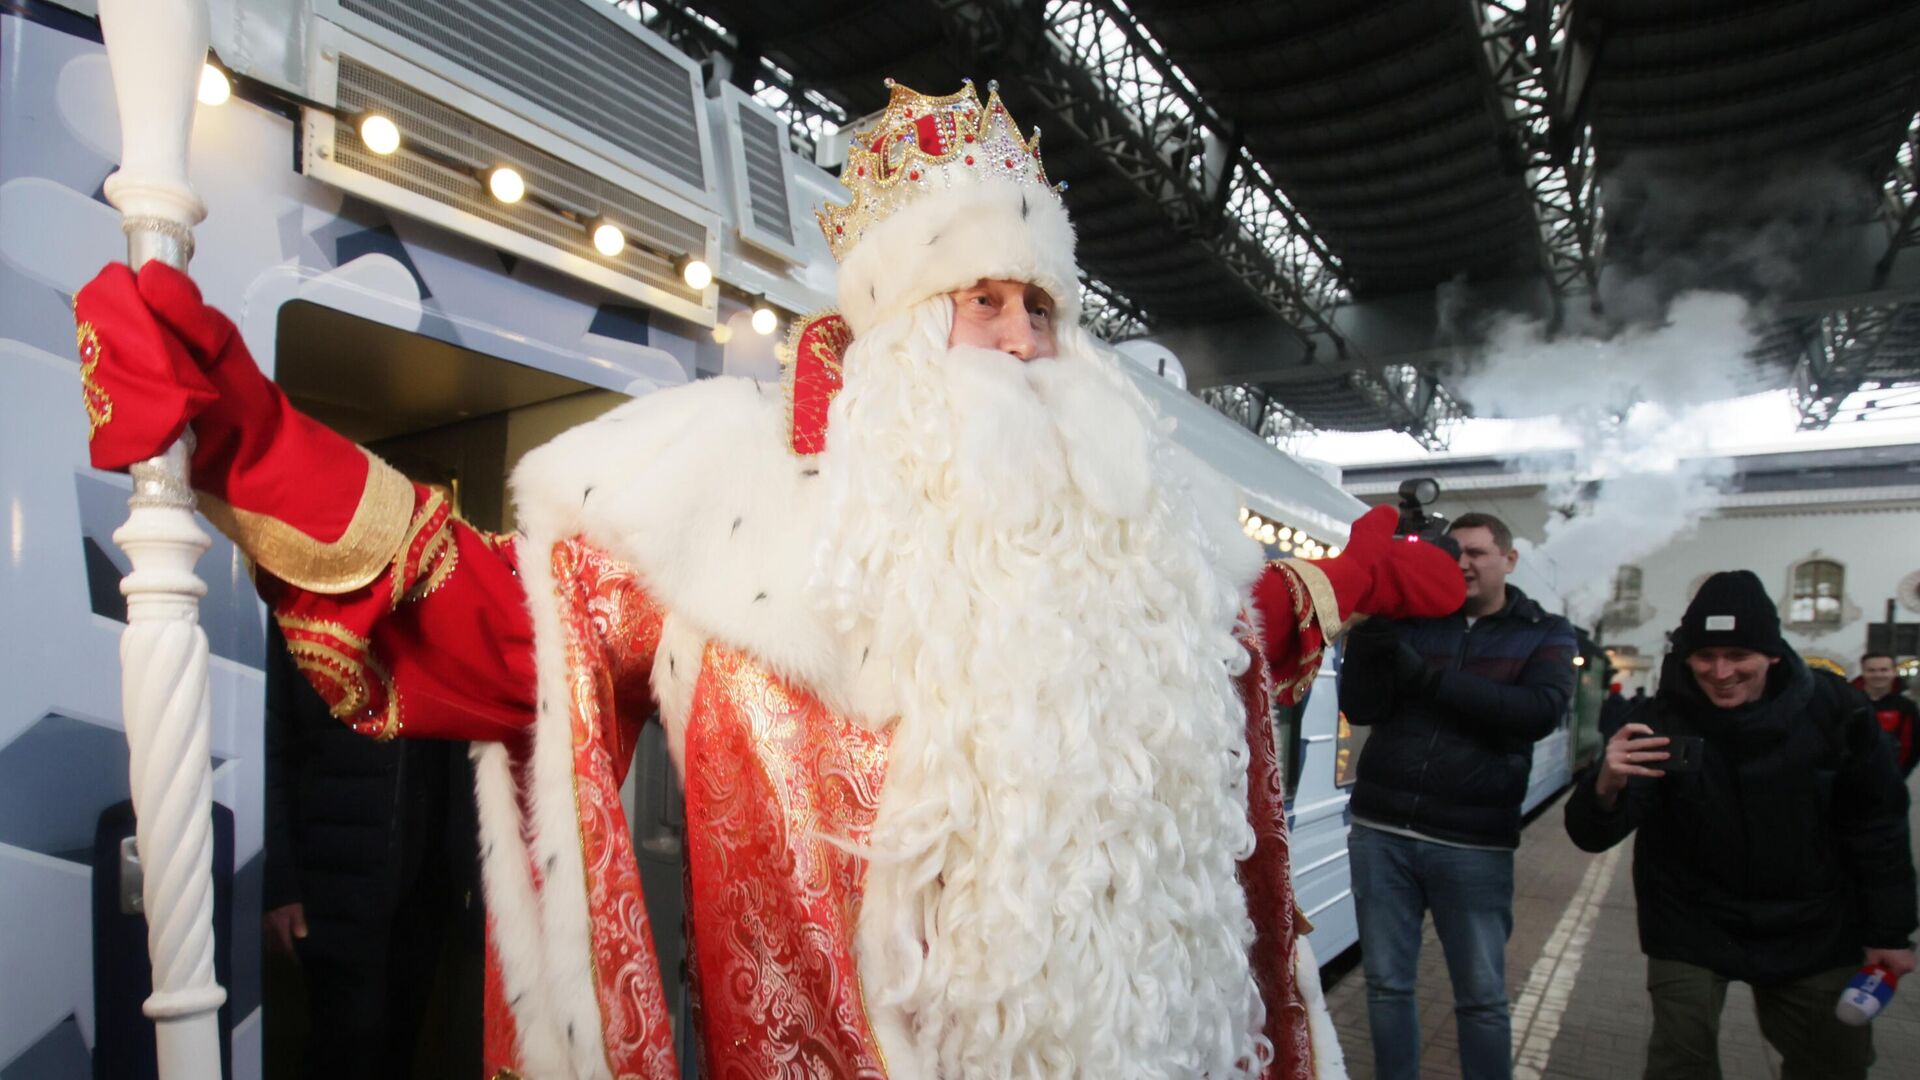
{"type": "Point", "coordinates": [1416, 494]}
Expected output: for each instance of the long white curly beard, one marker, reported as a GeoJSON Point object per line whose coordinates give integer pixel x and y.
{"type": "Point", "coordinates": [1052, 887]}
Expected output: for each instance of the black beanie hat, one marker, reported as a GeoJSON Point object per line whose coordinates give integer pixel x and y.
{"type": "Point", "coordinates": [1732, 609]}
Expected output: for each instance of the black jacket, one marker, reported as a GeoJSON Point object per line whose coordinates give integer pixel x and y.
{"type": "Point", "coordinates": [350, 822]}
{"type": "Point", "coordinates": [1786, 853]}
{"type": "Point", "coordinates": [1455, 713]}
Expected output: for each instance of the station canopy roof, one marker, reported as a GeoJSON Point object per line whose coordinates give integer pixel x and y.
{"type": "Point", "coordinates": [1291, 193]}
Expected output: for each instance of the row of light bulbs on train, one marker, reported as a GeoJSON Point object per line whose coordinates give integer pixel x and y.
{"type": "Point", "coordinates": [1289, 540]}
{"type": "Point", "coordinates": [382, 136]}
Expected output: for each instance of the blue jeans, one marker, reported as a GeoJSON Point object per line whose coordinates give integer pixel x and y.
{"type": "Point", "coordinates": [1396, 880]}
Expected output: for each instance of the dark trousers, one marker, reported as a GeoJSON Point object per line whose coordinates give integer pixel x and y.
{"type": "Point", "coordinates": [1796, 1018]}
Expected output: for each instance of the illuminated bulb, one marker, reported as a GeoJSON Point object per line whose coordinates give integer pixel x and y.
{"type": "Point", "coordinates": [695, 272]}
{"type": "Point", "coordinates": [1245, 513]}
{"type": "Point", "coordinates": [608, 240]}
{"type": "Point", "coordinates": [381, 135]}
{"type": "Point", "coordinates": [1267, 536]}
{"type": "Point", "coordinates": [722, 333]}
{"type": "Point", "coordinates": [1286, 534]}
{"type": "Point", "coordinates": [214, 87]}
{"type": "Point", "coordinates": [1256, 521]}
{"type": "Point", "coordinates": [506, 185]}
{"type": "Point", "coordinates": [1333, 552]}
{"type": "Point", "coordinates": [1579, 661]}
{"type": "Point", "coordinates": [1285, 547]}
{"type": "Point", "coordinates": [764, 320]}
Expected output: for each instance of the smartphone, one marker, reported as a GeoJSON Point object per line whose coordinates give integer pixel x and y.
{"type": "Point", "coordinates": [1683, 754]}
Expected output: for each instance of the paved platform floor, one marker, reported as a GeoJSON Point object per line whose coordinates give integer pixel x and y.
{"type": "Point", "coordinates": [1577, 981]}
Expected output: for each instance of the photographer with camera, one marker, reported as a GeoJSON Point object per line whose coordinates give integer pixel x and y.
{"type": "Point", "coordinates": [1456, 704]}
{"type": "Point", "coordinates": [1773, 840]}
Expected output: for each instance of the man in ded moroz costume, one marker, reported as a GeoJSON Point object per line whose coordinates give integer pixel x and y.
{"type": "Point", "coordinates": [959, 656]}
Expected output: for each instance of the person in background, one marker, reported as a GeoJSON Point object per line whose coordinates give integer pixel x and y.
{"type": "Point", "coordinates": [1456, 704]}
{"type": "Point", "coordinates": [1613, 711]}
{"type": "Point", "coordinates": [370, 868]}
{"type": "Point", "coordinates": [1898, 715]}
{"type": "Point", "coordinates": [1781, 861]}
{"type": "Point", "coordinates": [1639, 696]}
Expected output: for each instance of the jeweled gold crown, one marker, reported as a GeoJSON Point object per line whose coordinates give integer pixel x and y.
{"type": "Point", "coordinates": [923, 145]}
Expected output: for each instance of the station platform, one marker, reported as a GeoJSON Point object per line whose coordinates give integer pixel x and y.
{"type": "Point", "coordinates": [1577, 980]}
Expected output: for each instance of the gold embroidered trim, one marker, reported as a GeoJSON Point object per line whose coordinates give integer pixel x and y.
{"type": "Point", "coordinates": [329, 654]}
{"type": "Point", "coordinates": [99, 405]}
{"type": "Point", "coordinates": [426, 552]}
{"type": "Point", "coordinates": [390, 724]}
{"type": "Point", "coordinates": [442, 556]}
{"type": "Point", "coordinates": [371, 542]}
{"type": "Point", "coordinates": [302, 625]}
{"type": "Point", "coordinates": [1326, 608]}
{"type": "Point", "coordinates": [344, 671]}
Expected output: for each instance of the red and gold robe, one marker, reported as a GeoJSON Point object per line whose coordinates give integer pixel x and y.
{"type": "Point", "coordinates": [658, 574]}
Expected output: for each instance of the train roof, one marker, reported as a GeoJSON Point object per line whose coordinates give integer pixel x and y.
{"type": "Point", "coordinates": [1272, 483]}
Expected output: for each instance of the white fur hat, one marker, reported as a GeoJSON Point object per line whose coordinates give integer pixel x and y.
{"type": "Point", "coordinates": [946, 192]}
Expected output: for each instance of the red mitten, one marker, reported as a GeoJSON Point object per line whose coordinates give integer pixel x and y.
{"type": "Point", "coordinates": [300, 499]}
{"type": "Point", "coordinates": [253, 449]}
{"type": "Point", "coordinates": [142, 386]}
{"type": "Point", "coordinates": [1394, 579]}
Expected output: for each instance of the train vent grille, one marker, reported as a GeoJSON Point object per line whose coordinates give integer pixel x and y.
{"type": "Point", "coordinates": [762, 142]}
{"type": "Point", "coordinates": [570, 58]}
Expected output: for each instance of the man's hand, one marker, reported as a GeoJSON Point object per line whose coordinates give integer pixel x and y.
{"type": "Point", "coordinates": [283, 924]}
{"type": "Point", "coordinates": [1629, 747]}
{"type": "Point", "coordinates": [1898, 962]}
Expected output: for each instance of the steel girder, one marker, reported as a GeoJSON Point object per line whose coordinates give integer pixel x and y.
{"type": "Point", "coordinates": [1107, 314]}
{"type": "Point", "coordinates": [1252, 408]}
{"type": "Point", "coordinates": [1900, 196]}
{"type": "Point", "coordinates": [1089, 72]}
{"type": "Point", "coordinates": [1537, 68]}
{"type": "Point", "coordinates": [1837, 360]}
{"type": "Point", "coordinates": [1151, 117]}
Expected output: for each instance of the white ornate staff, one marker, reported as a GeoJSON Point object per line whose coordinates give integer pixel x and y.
{"type": "Point", "coordinates": [156, 49]}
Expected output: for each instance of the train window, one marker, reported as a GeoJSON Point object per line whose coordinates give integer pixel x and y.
{"type": "Point", "coordinates": [1626, 584]}
{"type": "Point", "coordinates": [1286, 739]}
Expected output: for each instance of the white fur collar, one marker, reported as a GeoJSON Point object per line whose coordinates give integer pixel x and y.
{"type": "Point", "coordinates": [697, 488]}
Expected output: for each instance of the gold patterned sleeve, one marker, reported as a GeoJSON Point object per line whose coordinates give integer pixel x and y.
{"type": "Point", "coordinates": [1299, 618]}
{"type": "Point", "coordinates": [438, 644]}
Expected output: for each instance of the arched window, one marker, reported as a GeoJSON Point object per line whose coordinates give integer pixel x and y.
{"type": "Point", "coordinates": [1626, 584]}
{"type": "Point", "coordinates": [1817, 588]}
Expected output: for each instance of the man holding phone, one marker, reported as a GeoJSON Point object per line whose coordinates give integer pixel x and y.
{"type": "Point", "coordinates": [1773, 842]}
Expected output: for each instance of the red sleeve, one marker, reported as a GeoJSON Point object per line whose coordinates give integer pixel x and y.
{"type": "Point", "coordinates": [1293, 635]}
{"type": "Point", "coordinates": [440, 645]}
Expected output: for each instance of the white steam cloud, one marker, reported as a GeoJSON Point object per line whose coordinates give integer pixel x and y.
{"type": "Point", "coordinates": [1632, 405]}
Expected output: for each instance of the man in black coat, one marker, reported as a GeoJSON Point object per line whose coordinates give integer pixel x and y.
{"type": "Point", "coordinates": [370, 867]}
{"type": "Point", "coordinates": [1613, 711]}
{"type": "Point", "coordinates": [1456, 705]}
{"type": "Point", "coordinates": [1781, 861]}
